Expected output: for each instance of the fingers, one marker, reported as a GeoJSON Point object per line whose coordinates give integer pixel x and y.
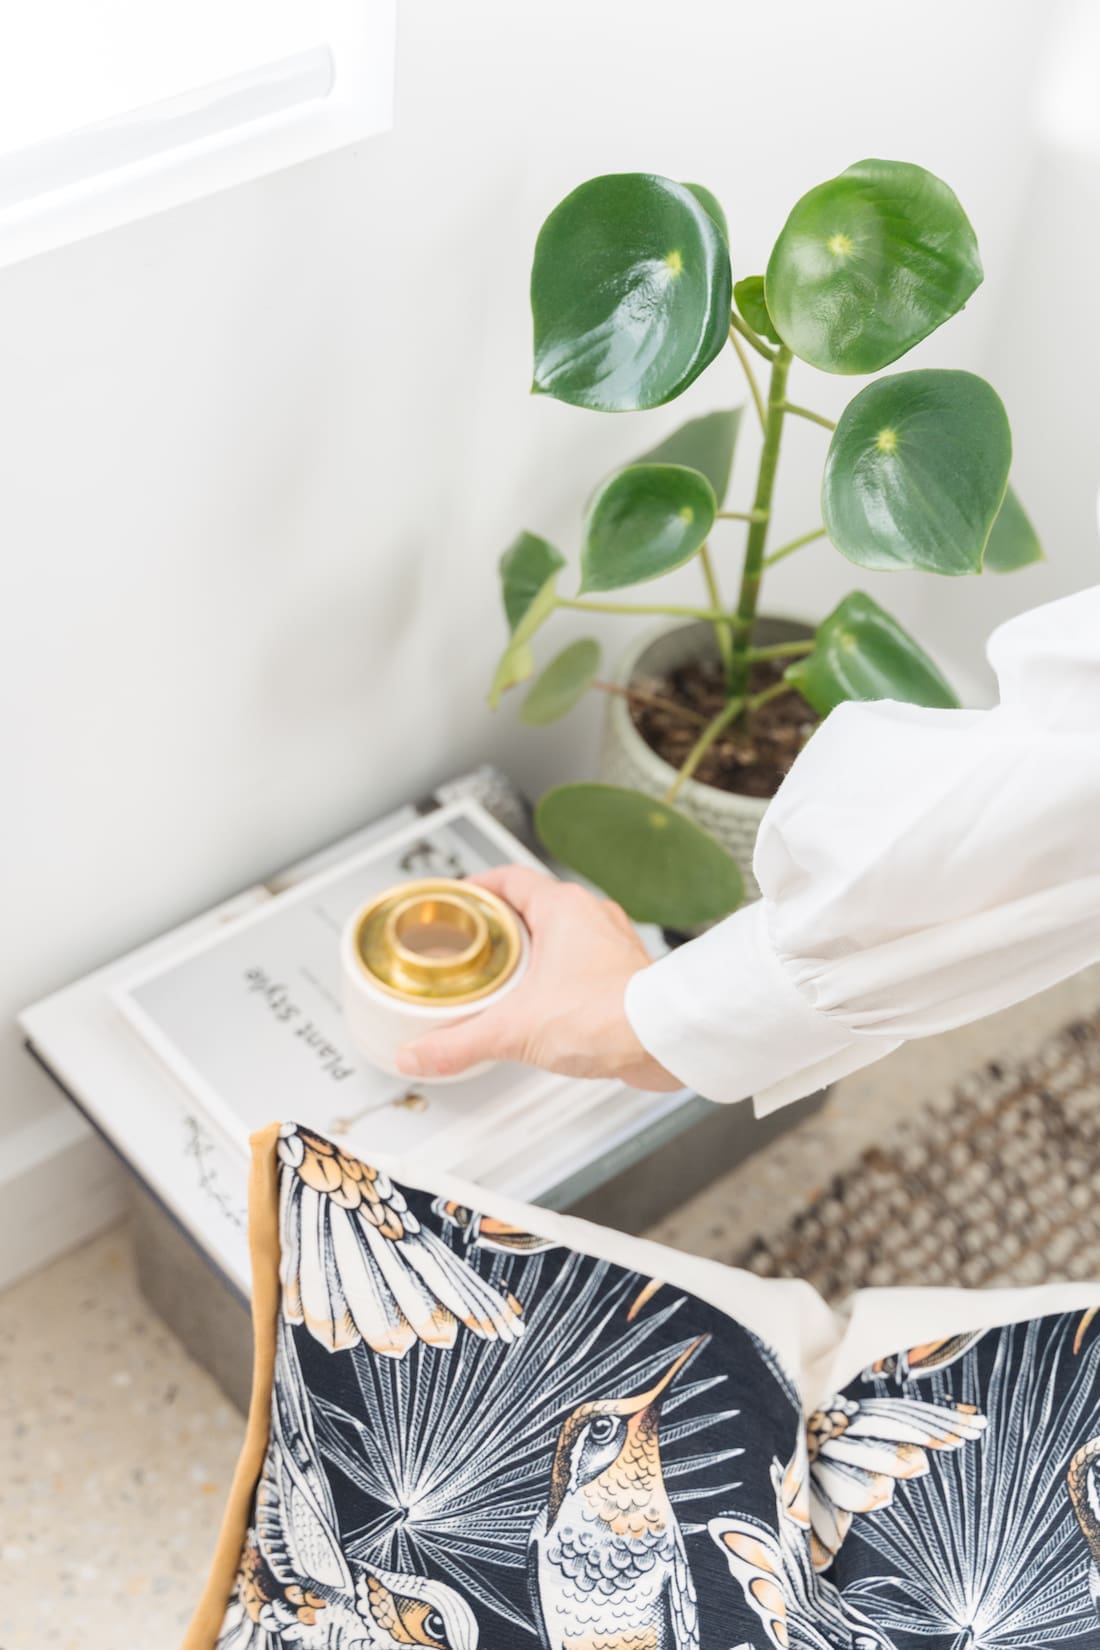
{"type": "Point", "coordinates": [520, 885]}
{"type": "Point", "coordinates": [530, 891]}
{"type": "Point", "coordinates": [445, 1053]}
{"type": "Point", "coordinates": [619, 916]}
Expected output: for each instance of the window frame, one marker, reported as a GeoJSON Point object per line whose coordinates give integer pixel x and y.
{"type": "Point", "coordinates": [212, 138]}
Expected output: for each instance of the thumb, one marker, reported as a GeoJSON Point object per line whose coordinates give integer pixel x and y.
{"type": "Point", "coordinates": [457, 1048]}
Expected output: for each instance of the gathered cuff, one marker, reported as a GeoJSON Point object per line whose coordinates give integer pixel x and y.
{"type": "Point", "coordinates": [723, 1015]}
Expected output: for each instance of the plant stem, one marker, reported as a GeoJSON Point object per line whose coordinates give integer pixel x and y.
{"type": "Point", "coordinates": [758, 530]}
{"type": "Point", "coordinates": [664, 609]}
{"type": "Point", "coordinates": [715, 728]}
{"type": "Point", "coordinates": [754, 387]}
{"type": "Point", "coordinates": [795, 544]}
{"type": "Point", "coordinates": [653, 699]}
{"type": "Point", "coordinates": [776, 691]}
{"type": "Point", "coordinates": [782, 650]}
{"type": "Point", "coordinates": [710, 733]}
{"type": "Point", "coordinates": [722, 632]}
{"type": "Point", "coordinates": [814, 418]}
{"type": "Point", "coordinates": [750, 337]}
{"type": "Point", "coordinates": [738, 515]}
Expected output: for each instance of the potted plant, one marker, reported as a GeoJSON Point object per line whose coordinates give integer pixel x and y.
{"type": "Point", "coordinates": [633, 297]}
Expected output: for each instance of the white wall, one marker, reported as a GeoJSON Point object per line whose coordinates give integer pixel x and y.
{"type": "Point", "coordinates": [258, 455]}
{"type": "Point", "coordinates": [1044, 357]}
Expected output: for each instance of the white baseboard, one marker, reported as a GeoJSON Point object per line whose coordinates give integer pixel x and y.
{"type": "Point", "coordinates": [59, 1186]}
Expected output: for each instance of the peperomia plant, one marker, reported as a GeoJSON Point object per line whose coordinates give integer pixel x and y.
{"type": "Point", "coordinates": [633, 297]}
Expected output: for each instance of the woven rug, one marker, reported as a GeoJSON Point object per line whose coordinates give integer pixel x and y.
{"type": "Point", "coordinates": [997, 1182]}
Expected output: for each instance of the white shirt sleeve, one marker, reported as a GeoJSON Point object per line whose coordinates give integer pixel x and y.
{"type": "Point", "coordinates": [918, 869]}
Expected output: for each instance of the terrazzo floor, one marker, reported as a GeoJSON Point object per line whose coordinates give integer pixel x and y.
{"type": "Point", "coordinates": [118, 1453]}
{"type": "Point", "coordinates": [118, 1450]}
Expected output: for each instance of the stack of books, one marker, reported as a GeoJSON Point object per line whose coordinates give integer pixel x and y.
{"type": "Point", "coordinates": [180, 1050]}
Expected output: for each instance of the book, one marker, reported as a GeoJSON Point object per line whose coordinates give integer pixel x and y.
{"type": "Point", "coordinates": [179, 1050]}
{"type": "Point", "coordinates": [249, 1017]}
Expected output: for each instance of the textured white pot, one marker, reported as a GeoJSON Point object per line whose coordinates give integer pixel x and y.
{"type": "Point", "coordinates": [626, 759]}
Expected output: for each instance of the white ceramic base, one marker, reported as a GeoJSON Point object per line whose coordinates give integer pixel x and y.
{"type": "Point", "coordinates": [380, 1024]}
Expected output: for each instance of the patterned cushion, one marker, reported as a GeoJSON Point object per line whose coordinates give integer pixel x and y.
{"type": "Point", "coordinates": [470, 1437]}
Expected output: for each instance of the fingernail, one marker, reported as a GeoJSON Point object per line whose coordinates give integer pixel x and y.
{"type": "Point", "coordinates": [408, 1062]}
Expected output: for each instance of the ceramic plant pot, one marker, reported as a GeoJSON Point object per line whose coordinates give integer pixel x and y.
{"type": "Point", "coordinates": [627, 760]}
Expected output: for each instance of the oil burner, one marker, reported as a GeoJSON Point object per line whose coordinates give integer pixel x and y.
{"type": "Point", "coordinates": [423, 955]}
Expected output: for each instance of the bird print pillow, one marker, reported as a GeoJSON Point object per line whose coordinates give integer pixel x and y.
{"type": "Point", "coordinates": [468, 1436]}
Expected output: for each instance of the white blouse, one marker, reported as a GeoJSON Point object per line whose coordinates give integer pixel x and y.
{"type": "Point", "coordinates": [918, 869]}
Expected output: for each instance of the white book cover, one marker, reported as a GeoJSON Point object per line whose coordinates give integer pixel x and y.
{"type": "Point", "coordinates": [178, 1050]}
{"type": "Point", "coordinates": [249, 1017]}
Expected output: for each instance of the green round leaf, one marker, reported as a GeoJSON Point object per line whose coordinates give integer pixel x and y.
{"type": "Point", "coordinates": [705, 444]}
{"type": "Point", "coordinates": [658, 864]}
{"type": "Point", "coordinates": [564, 681]}
{"type": "Point", "coordinates": [748, 295]}
{"type": "Point", "coordinates": [870, 263]}
{"type": "Point", "coordinates": [916, 472]}
{"type": "Point", "coordinates": [630, 293]}
{"type": "Point", "coordinates": [862, 652]}
{"type": "Point", "coordinates": [1013, 543]}
{"type": "Point", "coordinates": [528, 573]}
{"type": "Point", "coordinates": [712, 205]}
{"type": "Point", "coordinates": [645, 521]}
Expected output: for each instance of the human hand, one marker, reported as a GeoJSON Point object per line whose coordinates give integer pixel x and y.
{"type": "Point", "coordinates": [567, 1013]}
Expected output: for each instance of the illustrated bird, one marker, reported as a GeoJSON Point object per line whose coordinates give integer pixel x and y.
{"type": "Point", "coordinates": [295, 1585]}
{"type": "Point", "coordinates": [357, 1265]}
{"type": "Point", "coordinates": [859, 1450]}
{"type": "Point", "coordinates": [798, 1609]}
{"type": "Point", "coordinates": [1083, 1483]}
{"type": "Point", "coordinates": [606, 1563]}
{"type": "Point", "coordinates": [486, 1232]}
{"type": "Point", "coordinates": [924, 1359]}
